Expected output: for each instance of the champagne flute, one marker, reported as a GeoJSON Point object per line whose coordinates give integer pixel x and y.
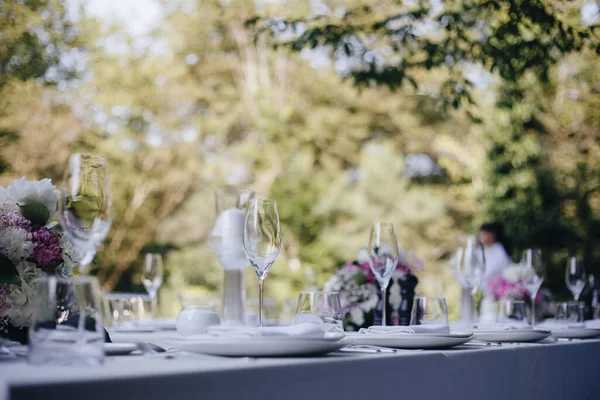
{"type": "Point", "coordinates": [262, 241]}
{"type": "Point", "coordinates": [152, 277]}
{"type": "Point", "coordinates": [470, 269]}
{"type": "Point", "coordinates": [383, 257]}
{"type": "Point", "coordinates": [534, 276]}
{"type": "Point", "coordinates": [575, 276]}
{"type": "Point", "coordinates": [85, 206]}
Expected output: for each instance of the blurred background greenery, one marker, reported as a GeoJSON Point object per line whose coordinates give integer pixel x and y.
{"type": "Point", "coordinates": [435, 115]}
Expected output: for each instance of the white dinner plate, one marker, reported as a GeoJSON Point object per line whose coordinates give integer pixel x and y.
{"type": "Point", "coordinates": [119, 349]}
{"type": "Point", "coordinates": [575, 333]}
{"type": "Point", "coordinates": [516, 335]}
{"type": "Point", "coordinates": [258, 347]}
{"type": "Point", "coordinates": [412, 341]}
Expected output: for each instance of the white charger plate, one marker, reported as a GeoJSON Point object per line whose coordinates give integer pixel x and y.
{"type": "Point", "coordinates": [575, 333]}
{"type": "Point", "coordinates": [516, 335]}
{"type": "Point", "coordinates": [119, 349]}
{"type": "Point", "coordinates": [258, 347]}
{"type": "Point", "coordinates": [412, 341]}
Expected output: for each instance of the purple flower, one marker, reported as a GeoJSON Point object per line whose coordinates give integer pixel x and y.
{"type": "Point", "coordinates": [47, 253]}
{"type": "Point", "coordinates": [14, 219]}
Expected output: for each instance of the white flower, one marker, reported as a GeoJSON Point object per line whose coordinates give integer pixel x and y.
{"type": "Point", "coordinates": [357, 317]}
{"type": "Point", "coordinates": [70, 255]}
{"type": "Point", "coordinates": [370, 303]}
{"type": "Point", "coordinates": [23, 191]}
{"type": "Point", "coordinates": [514, 273]}
{"type": "Point", "coordinates": [14, 243]}
{"type": "Point", "coordinates": [363, 256]}
{"type": "Point", "coordinates": [21, 298]}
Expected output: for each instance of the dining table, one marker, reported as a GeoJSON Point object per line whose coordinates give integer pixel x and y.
{"type": "Point", "coordinates": [545, 370]}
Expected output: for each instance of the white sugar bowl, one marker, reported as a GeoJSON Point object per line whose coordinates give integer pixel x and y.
{"type": "Point", "coordinates": [193, 320]}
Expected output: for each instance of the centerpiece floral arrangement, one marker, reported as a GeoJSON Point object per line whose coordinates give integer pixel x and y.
{"type": "Point", "coordinates": [31, 246]}
{"type": "Point", "coordinates": [509, 286]}
{"type": "Point", "coordinates": [359, 290]}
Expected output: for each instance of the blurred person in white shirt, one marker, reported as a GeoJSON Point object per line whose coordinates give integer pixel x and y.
{"type": "Point", "coordinates": [495, 245]}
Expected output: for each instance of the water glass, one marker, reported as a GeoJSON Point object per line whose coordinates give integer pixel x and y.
{"type": "Point", "coordinates": [429, 311]}
{"type": "Point", "coordinates": [512, 312]}
{"type": "Point", "coordinates": [67, 322]}
{"type": "Point", "coordinates": [122, 309]}
{"type": "Point", "coordinates": [569, 312]}
{"type": "Point", "coordinates": [321, 307]}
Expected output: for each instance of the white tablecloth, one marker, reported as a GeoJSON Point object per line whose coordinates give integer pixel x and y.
{"type": "Point", "coordinates": [563, 370]}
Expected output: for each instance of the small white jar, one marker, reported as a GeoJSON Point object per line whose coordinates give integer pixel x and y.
{"type": "Point", "coordinates": [193, 320]}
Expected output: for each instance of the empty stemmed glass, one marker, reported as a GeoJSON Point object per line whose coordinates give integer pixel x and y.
{"type": "Point", "coordinates": [383, 257]}
{"type": "Point", "coordinates": [470, 269]}
{"type": "Point", "coordinates": [85, 206]}
{"type": "Point", "coordinates": [152, 277]}
{"type": "Point", "coordinates": [533, 277]}
{"type": "Point", "coordinates": [262, 241]}
{"type": "Point", "coordinates": [575, 276]}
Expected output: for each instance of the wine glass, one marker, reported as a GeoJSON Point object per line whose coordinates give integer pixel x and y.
{"type": "Point", "coordinates": [152, 277]}
{"type": "Point", "coordinates": [470, 269]}
{"type": "Point", "coordinates": [85, 206]}
{"type": "Point", "coordinates": [575, 276]}
{"type": "Point", "coordinates": [262, 241]}
{"type": "Point", "coordinates": [533, 277]}
{"type": "Point", "coordinates": [383, 257]}
{"type": "Point", "coordinates": [226, 239]}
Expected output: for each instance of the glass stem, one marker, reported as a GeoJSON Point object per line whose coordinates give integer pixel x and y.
{"type": "Point", "coordinates": [383, 298]}
{"type": "Point", "coordinates": [153, 306]}
{"type": "Point", "coordinates": [533, 311]}
{"type": "Point", "coordinates": [260, 302]}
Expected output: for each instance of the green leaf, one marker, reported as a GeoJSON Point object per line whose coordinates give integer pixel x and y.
{"type": "Point", "coordinates": [35, 212]}
{"type": "Point", "coordinates": [8, 271]}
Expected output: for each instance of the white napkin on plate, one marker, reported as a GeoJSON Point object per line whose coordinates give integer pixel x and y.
{"type": "Point", "coordinates": [553, 324]}
{"type": "Point", "coordinates": [403, 330]}
{"type": "Point", "coordinates": [303, 330]}
{"type": "Point", "coordinates": [502, 327]}
{"type": "Point", "coordinates": [593, 324]}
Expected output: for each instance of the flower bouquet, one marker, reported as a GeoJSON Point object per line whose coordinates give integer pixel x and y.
{"type": "Point", "coordinates": [31, 246]}
{"type": "Point", "coordinates": [360, 293]}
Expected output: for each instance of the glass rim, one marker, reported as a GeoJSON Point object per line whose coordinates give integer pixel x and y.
{"type": "Point", "coordinates": [95, 156]}
{"type": "Point", "coordinates": [331, 292]}
{"type": "Point", "coordinates": [383, 223]}
{"type": "Point", "coordinates": [195, 307]}
{"type": "Point", "coordinates": [262, 200]}
{"type": "Point", "coordinates": [69, 280]}
{"type": "Point", "coordinates": [430, 297]}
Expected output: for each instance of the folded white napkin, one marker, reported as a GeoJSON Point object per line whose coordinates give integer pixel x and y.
{"type": "Point", "coordinates": [403, 330]}
{"type": "Point", "coordinates": [593, 324]}
{"type": "Point", "coordinates": [304, 330]}
{"type": "Point", "coordinates": [502, 327]}
{"type": "Point", "coordinates": [553, 324]}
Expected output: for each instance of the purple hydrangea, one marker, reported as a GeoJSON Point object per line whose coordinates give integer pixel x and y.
{"type": "Point", "coordinates": [47, 253]}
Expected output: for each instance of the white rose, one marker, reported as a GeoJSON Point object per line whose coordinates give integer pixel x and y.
{"type": "Point", "coordinates": [363, 256]}
{"type": "Point", "coordinates": [14, 242]}
{"type": "Point", "coordinates": [356, 316]}
{"type": "Point", "coordinates": [513, 274]}
{"type": "Point", "coordinates": [21, 298]}
{"type": "Point", "coordinates": [23, 191]}
{"type": "Point", "coordinates": [370, 304]}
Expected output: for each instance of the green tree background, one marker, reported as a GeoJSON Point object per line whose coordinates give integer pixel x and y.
{"type": "Point", "coordinates": [434, 115]}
